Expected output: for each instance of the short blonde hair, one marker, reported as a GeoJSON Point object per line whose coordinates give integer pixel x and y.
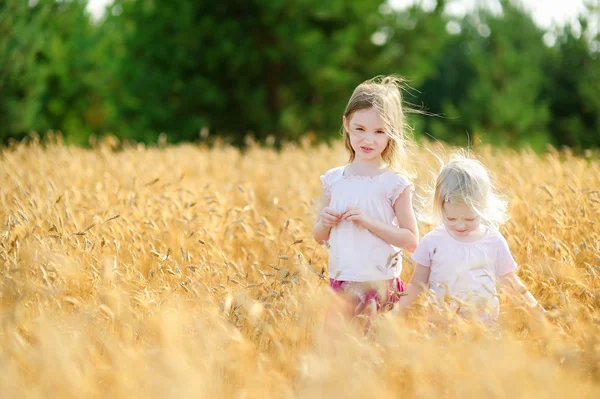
{"type": "Point", "coordinates": [383, 93]}
{"type": "Point", "coordinates": [466, 181]}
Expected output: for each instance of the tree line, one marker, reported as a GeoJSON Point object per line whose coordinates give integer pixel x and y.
{"type": "Point", "coordinates": [285, 69]}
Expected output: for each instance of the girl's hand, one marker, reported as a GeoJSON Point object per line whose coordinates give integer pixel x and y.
{"type": "Point", "coordinates": [354, 214]}
{"type": "Point", "coordinates": [329, 217]}
{"type": "Point", "coordinates": [542, 314]}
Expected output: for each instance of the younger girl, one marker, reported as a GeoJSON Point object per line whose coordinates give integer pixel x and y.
{"type": "Point", "coordinates": [366, 215]}
{"type": "Point", "coordinates": [461, 260]}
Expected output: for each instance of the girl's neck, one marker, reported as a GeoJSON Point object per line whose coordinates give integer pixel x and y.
{"type": "Point", "coordinates": [371, 167]}
{"type": "Point", "coordinates": [473, 236]}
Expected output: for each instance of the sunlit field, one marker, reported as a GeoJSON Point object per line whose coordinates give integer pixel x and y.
{"type": "Point", "coordinates": [182, 271]}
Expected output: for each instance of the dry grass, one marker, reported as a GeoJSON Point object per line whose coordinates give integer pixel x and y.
{"type": "Point", "coordinates": [187, 272]}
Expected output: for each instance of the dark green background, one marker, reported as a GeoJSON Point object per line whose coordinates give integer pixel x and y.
{"type": "Point", "coordinates": [285, 68]}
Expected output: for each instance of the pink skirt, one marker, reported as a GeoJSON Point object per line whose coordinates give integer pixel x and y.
{"type": "Point", "coordinates": [368, 297]}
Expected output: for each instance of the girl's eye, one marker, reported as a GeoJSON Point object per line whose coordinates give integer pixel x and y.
{"type": "Point", "coordinates": [451, 219]}
{"type": "Point", "coordinates": [380, 132]}
{"type": "Point", "coordinates": [470, 219]}
{"type": "Point", "coordinates": [360, 129]}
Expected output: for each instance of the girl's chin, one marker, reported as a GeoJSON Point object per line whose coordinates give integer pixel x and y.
{"type": "Point", "coordinates": [367, 154]}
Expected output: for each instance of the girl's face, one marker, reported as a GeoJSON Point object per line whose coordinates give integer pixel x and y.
{"type": "Point", "coordinates": [460, 219]}
{"type": "Point", "coordinates": [367, 134]}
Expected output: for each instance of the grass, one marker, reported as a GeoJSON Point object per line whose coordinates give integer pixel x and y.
{"type": "Point", "coordinates": [184, 271]}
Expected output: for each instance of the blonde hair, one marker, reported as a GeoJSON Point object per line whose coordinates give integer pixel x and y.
{"type": "Point", "coordinates": [383, 93]}
{"type": "Point", "coordinates": [466, 181]}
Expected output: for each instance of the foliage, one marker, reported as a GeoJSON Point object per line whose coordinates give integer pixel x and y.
{"type": "Point", "coordinates": [283, 69]}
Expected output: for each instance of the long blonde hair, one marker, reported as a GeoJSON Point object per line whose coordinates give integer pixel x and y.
{"type": "Point", "coordinates": [465, 180]}
{"type": "Point", "coordinates": [382, 93]}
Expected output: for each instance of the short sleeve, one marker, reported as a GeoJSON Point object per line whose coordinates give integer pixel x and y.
{"type": "Point", "coordinates": [421, 254]}
{"type": "Point", "coordinates": [326, 182]}
{"type": "Point", "coordinates": [505, 262]}
{"type": "Point", "coordinates": [330, 177]}
{"type": "Point", "coordinates": [396, 186]}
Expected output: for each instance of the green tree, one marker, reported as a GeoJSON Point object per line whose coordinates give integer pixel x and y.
{"type": "Point", "coordinates": [46, 74]}
{"type": "Point", "coordinates": [237, 67]}
{"type": "Point", "coordinates": [415, 49]}
{"type": "Point", "coordinates": [574, 68]}
{"type": "Point", "coordinates": [282, 68]}
{"type": "Point", "coordinates": [489, 81]}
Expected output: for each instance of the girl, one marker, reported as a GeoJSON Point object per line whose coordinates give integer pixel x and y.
{"type": "Point", "coordinates": [366, 215]}
{"type": "Point", "coordinates": [461, 260]}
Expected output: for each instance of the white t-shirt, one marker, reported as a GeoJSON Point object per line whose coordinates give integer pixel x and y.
{"type": "Point", "coordinates": [466, 271]}
{"type": "Point", "coordinates": [356, 254]}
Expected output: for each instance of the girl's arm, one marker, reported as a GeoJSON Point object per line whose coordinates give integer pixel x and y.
{"type": "Point", "coordinates": [515, 288]}
{"type": "Point", "coordinates": [404, 236]}
{"type": "Point", "coordinates": [419, 279]}
{"type": "Point", "coordinates": [322, 227]}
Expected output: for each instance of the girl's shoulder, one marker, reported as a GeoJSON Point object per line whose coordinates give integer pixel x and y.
{"type": "Point", "coordinates": [396, 184]}
{"type": "Point", "coordinates": [394, 178]}
{"type": "Point", "coordinates": [436, 233]}
{"type": "Point", "coordinates": [333, 174]}
{"type": "Point", "coordinates": [433, 238]}
{"type": "Point", "coordinates": [330, 177]}
{"type": "Point", "coordinates": [495, 236]}
{"type": "Point", "coordinates": [338, 170]}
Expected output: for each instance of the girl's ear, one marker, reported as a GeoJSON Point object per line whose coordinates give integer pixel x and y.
{"type": "Point", "coordinates": [345, 124]}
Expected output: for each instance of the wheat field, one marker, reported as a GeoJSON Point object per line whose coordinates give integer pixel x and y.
{"type": "Point", "coordinates": [182, 271]}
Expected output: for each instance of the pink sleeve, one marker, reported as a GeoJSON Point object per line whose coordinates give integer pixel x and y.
{"type": "Point", "coordinates": [325, 180]}
{"type": "Point", "coordinates": [397, 187]}
{"type": "Point", "coordinates": [421, 254]}
{"type": "Point", "coordinates": [505, 262]}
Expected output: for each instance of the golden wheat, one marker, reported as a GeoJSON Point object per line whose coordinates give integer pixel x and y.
{"type": "Point", "coordinates": [184, 271]}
